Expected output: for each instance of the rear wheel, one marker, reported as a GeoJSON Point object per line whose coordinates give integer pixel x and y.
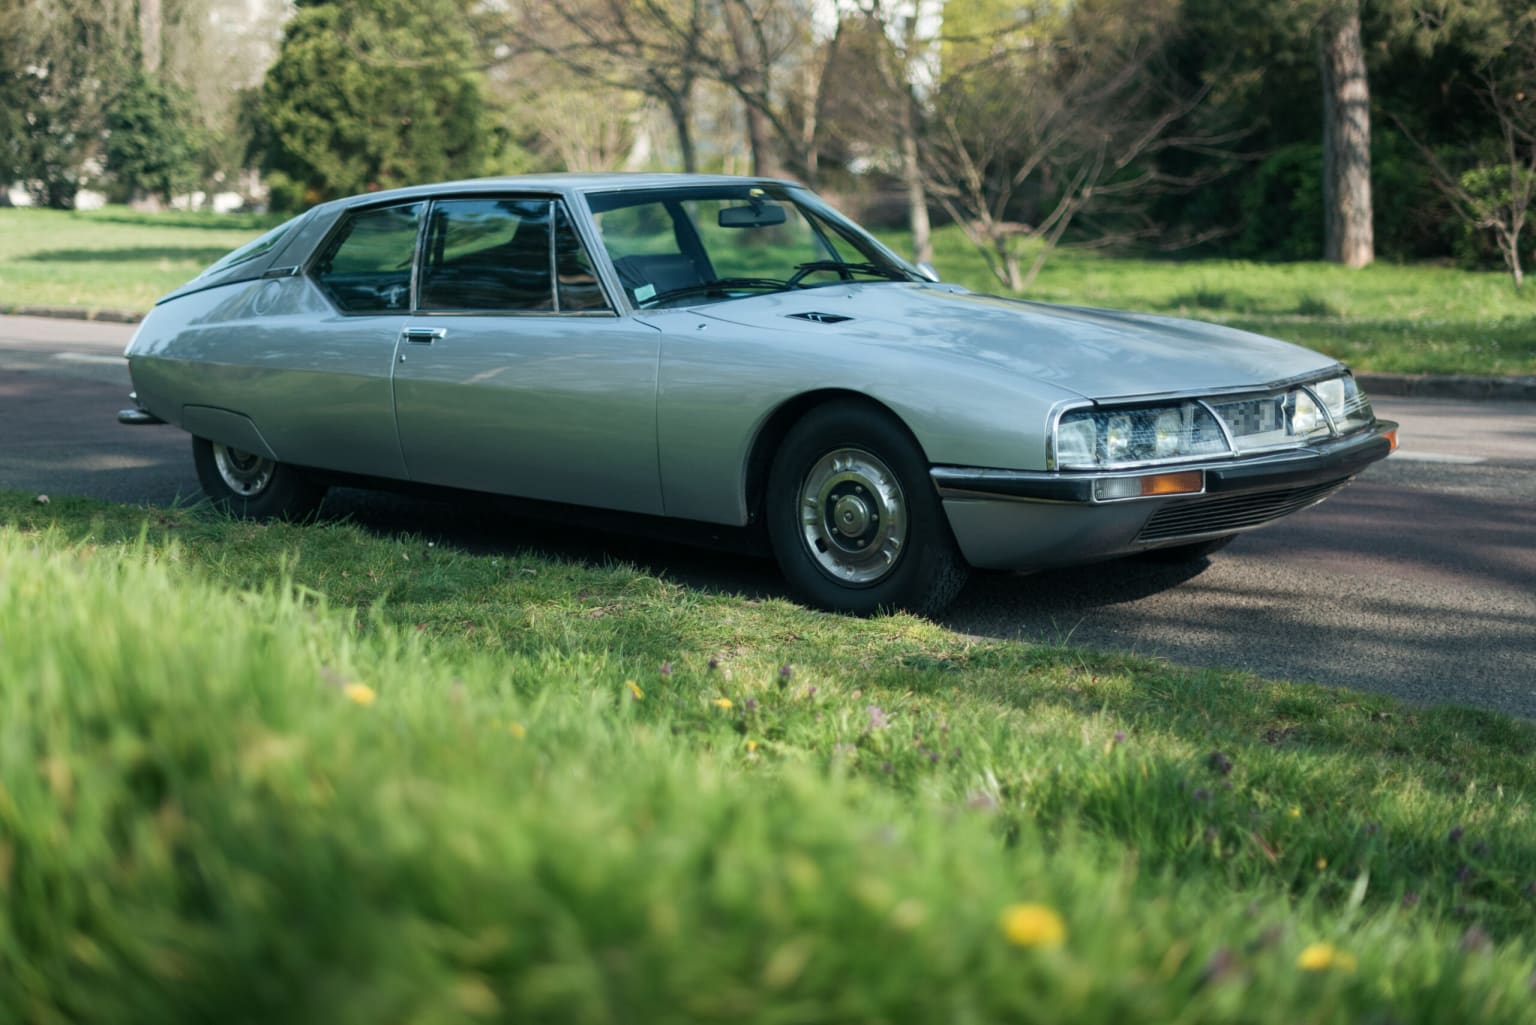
{"type": "Point", "coordinates": [854, 520]}
{"type": "Point", "coordinates": [251, 486]}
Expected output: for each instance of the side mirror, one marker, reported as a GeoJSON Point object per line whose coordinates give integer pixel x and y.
{"type": "Point", "coordinates": [758, 215]}
{"type": "Point", "coordinates": [927, 270]}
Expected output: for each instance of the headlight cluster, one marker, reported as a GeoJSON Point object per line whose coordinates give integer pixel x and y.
{"type": "Point", "coordinates": [1099, 438]}
{"type": "Point", "coordinates": [1123, 438]}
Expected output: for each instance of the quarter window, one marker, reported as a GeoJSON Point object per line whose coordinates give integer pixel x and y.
{"type": "Point", "coordinates": [366, 267]}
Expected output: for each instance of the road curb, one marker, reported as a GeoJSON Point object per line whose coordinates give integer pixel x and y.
{"type": "Point", "coordinates": [74, 313]}
{"type": "Point", "coordinates": [1450, 386]}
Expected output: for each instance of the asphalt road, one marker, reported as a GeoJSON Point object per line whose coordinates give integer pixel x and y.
{"type": "Point", "coordinates": [1418, 580]}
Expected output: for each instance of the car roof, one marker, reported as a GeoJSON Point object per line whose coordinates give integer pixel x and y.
{"type": "Point", "coordinates": [563, 184]}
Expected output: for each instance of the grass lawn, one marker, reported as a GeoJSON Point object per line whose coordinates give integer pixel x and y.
{"type": "Point", "coordinates": [1416, 319]}
{"type": "Point", "coordinates": [306, 774]}
{"type": "Point", "coordinates": [113, 258]}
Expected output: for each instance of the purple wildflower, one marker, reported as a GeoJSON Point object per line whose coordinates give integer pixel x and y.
{"type": "Point", "coordinates": [1221, 964]}
{"type": "Point", "coordinates": [1218, 763]}
{"type": "Point", "coordinates": [1410, 900]}
{"type": "Point", "coordinates": [877, 718]}
{"type": "Point", "coordinates": [1455, 835]}
{"type": "Point", "coordinates": [666, 669]}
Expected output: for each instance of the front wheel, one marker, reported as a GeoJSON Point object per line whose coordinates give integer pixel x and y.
{"type": "Point", "coordinates": [853, 518]}
{"type": "Point", "coordinates": [251, 486]}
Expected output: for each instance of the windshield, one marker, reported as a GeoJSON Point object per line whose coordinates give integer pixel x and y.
{"type": "Point", "coordinates": [684, 246]}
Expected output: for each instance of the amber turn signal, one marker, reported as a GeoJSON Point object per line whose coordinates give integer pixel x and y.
{"type": "Point", "coordinates": [1189, 482]}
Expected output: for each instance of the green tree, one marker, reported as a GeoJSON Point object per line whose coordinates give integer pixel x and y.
{"type": "Point", "coordinates": [1490, 180]}
{"type": "Point", "coordinates": [1056, 124]}
{"type": "Point", "coordinates": [152, 144]}
{"type": "Point", "coordinates": [370, 94]}
{"type": "Point", "coordinates": [62, 63]}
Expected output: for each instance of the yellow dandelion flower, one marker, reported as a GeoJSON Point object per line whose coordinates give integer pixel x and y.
{"type": "Point", "coordinates": [517, 730]}
{"type": "Point", "coordinates": [1295, 812]}
{"type": "Point", "coordinates": [359, 694]}
{"type": "Point", "coordinates": [723, 703]}
{"type": "Point", "coordinates": [634, 689]}
{"type": "Point", "coordinates": [1320, 957]}
{"type": "Point", "coordinates": [751, 746]}
{"type": "Point", "coordinates": [1032, 925]}
{"type": "Point", "coordinates": [1322, 863]}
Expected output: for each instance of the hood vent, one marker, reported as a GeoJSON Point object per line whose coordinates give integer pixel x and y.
{"type": "Point", "coordinates": [819, 318]}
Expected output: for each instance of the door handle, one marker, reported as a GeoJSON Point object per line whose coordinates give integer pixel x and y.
{"type": "Point", "coordinates": [424, 335]}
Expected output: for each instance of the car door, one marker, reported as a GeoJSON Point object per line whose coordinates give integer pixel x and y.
{"type": "Point", "coordinates": [306, 362]}
{"type": "Point", "coordinates": [515, 375]}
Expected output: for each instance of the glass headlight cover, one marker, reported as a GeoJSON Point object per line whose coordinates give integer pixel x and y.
{"type": "Point", "coordinates": [1346, 403]}
{"type": "Point", "coordinates": [1099, 439]}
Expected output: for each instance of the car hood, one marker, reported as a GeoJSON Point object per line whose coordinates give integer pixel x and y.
{"type": "Point", "coordinates": [1099, 354]}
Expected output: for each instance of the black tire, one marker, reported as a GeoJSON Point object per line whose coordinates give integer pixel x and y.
{"type": "Point", "coordinates": [891, 548]}
{"type": "Point", "coordinates": [252, 487]}
{"type": "Point", "coordinates": [1189, 552]}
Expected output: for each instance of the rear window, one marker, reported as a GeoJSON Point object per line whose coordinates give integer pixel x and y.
{"type": "Point", "coordinates": [251, 250]}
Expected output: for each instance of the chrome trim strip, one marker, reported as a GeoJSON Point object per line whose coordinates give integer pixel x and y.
{"type": "Point", "coordinates": [1226, 431]}
{"type": "Point", "coordinates": [1232, 474]}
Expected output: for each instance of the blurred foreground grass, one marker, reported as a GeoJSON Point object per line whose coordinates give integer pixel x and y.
{"type": "Point", "coordinates": [305, 774]}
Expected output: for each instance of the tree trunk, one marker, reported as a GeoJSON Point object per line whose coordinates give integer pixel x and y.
{"type": "Point", "coordinates": [917, 191]}
{"type": "Point", "coordinates": [1347, 234]}
{"type": "Point", "coordinates": [751, 76]}
{"type": "Point", "coordinates": [150, 35]}
{"type": "Point", "coordinates": [678, 108]}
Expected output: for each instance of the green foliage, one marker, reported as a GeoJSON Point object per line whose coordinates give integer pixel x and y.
{"type": "Point", "coordinates": [152, 145]}
{"type": "Point", "coordinates": [370, 95]}
{"type": "Point", "coordinates": [61, 66]}
{"type": "Point", "coordinates": [303, 774]}
{"type": "Point", "coordinates": [1282, 206]}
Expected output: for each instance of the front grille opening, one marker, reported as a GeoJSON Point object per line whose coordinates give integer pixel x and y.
{"type": "Point", "coordinates": [1193, 517]}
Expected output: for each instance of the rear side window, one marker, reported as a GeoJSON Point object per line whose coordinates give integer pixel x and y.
{"type": "Point", "coordinates": [504, 255]}
{"type": "Point", "coordinates": [489, 255]}
{"type": "Point", "coordinates": [366, 266]}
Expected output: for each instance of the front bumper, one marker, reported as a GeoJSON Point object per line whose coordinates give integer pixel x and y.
{"type": "Point", "coordinates": [1016, 519]}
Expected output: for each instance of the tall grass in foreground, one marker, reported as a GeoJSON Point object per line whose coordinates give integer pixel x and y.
{"type": "Point", "coordinates": [521, 790]}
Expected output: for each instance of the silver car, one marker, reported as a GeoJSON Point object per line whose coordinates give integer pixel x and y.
{"type": "Point", "coordinates": [731, 352]}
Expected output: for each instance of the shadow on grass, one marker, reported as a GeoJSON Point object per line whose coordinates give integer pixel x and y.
{"type": "Point", "coordinates": [200, 220]}
{"type": "Point", "coordinates": [132, 254]}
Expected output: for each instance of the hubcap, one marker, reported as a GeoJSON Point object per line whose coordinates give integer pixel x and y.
{"type": "Point", "coordinates": [245, 474]}
{"type": "Point", "coordinates": [853, 516]}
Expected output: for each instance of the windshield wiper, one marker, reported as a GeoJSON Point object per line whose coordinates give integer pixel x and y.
{"type": "Point", "coordinates": [710, 287]}
{"type": "Point", "coordinates": [846, 270]}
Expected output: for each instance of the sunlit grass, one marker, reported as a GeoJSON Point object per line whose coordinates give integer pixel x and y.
{"type": "Point", "coordinates": [1416, 318]}
{"type": "Point", "coordinates": [113, 258]}
{"type": "Point", "coordinates": [305, 774]}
